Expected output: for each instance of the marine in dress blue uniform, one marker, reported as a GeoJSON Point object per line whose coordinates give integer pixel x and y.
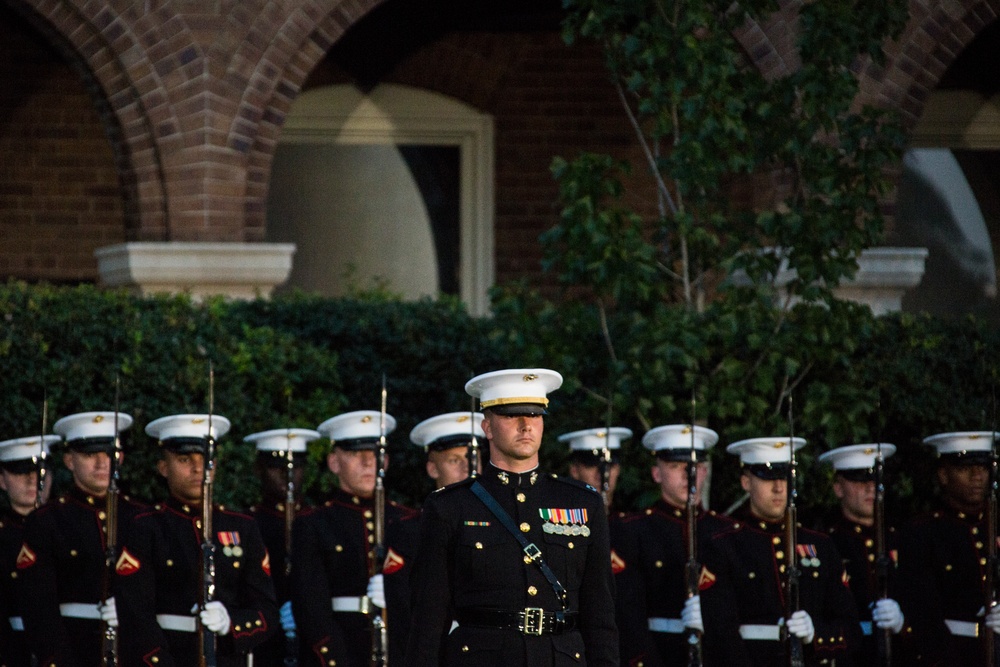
{"type": "Point", "coordinates": [333, 592]}
{"type": "Point", "coordinates": [653, 606]}
{"type": "Point", "coordinates": [587, 462]}
{"type": "Point", "coordinates": [472, 570]}
{"type": "Point", "coordinates": [853, 533]}
{"type": "Point", "coordinates": [20, 459]}
{"type": "Point", "coordinates": [445, 438]}
{"type": "Point", "coordinates": [943, 557]}
{"type": "Point", "coordinates": [61, 565]}
{"type": "Point", "coordinates": [159, 579]}
{"type": "Point", "coordinates": [273, 448]}
{"type": "Point", "coordinates": [743, 601]}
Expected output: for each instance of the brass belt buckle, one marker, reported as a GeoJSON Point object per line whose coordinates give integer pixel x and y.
{"type": "Point", "coordinates": [534, 618]}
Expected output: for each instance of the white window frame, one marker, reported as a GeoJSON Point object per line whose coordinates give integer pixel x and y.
{"type": "Point", "coordinates": [396, 114]}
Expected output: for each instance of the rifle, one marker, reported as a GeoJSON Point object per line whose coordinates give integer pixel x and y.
{"type": "Point", "coordinates": [109, 634]}
{"type": "Point", "coordinates": [989, 585]}
{"type": "Point", "coordinates": [291, 642]}
{"type": "Point", "coordinates": [884, 636]}
{"type": "Point", "coordinates": [206, 638]}
{"type": "Point", "coordinates": [604, 460]}
{"type": "Point", "coordinates": [473, 453]}
{"type": "Point", "coordinates": [41, 469]}
{"type": "Point", "coordinates": [380, 629]}
{"type": "Point", "coordinates": [796, 658]}
{"type": "Point", "coordinates": [693, 567]}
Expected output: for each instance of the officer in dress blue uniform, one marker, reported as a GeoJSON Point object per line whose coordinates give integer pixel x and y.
{"type": "Point", "coordinates": [19, 462]}
{"type": "Point", "coordinates": [943, 557]}
{"type": "Point", "coordinates": [445, 438]}
{"type": "Point", "coordinates": [159, 582]}
{"type": "Point", "coordinates": [518, 558]}
{"type": "Point", "coordinates": [333, 592]}
{"type": "Point", "coordinates": [742, 598]}
{"type": "Point", "coordinates": [853, 533]}
{"type": "Point", "coordinates": [61, 565]}
{"type": "Point", "coordinates": [272, 468]}
{"type": "Point", "coordinates": [654, 609]}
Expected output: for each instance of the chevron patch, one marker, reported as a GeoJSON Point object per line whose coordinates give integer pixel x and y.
{"type": "Point", "coordinates": [393, 562]}
{"type": "Point", "coordinates": [617, 563]}
{"type": "Point", "coordinates": [127, 564]}
{"type": "Point", "coordinates": [26, 557]}
{"type": "Point", "coordinates": [706, 579]}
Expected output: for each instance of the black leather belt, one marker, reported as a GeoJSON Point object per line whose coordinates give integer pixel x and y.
{"type": "Point", "coordinates": [530, 621]}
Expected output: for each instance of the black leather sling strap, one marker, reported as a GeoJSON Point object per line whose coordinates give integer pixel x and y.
{"type": "Point", "coordinates": [529, 548]}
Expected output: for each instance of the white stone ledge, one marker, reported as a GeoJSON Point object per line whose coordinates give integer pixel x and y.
{"type": "Point", "coordinates": [235, 270]}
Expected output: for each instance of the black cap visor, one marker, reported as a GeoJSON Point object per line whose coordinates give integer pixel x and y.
{"type": "Point", "coordinates": [680, 454]}
{"type": "Point", "coordinates": [518, 410]}
{"type": "Point", "coordinates": [91, 445]}
{"type": "Point", "coordinates": [768, 471]}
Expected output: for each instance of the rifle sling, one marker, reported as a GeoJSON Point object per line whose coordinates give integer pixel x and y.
{"type": "Point", "coordinates": [529, 548]}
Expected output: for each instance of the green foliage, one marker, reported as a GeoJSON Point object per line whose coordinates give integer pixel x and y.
{"type": "Point", "coordinates": [289, 362]}
{"type": "Point", "coordinates": [705, 115]}
{"type": "Point", "coordinates": [296, 361]}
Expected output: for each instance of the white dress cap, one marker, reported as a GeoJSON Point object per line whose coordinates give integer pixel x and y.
{"type": "Point", "coordinates": [281, 439]}
{"type": "Point", "coordinates": [678, 436]}
{"type": "Point", "coordinates": [774, 449]}
{"type": "Point", "coordinates": [596, 438]}
{"type": "Point", "coordinates": [856, 457]}
{"type": "Point", "coordinates": [963, 442]}
{"type": "Point", "coordinates": [186, 426]}
{"type": "Point", "coordinates": [515, 386]}
{"type": "Point", "coordinates": [448, 428]}
{"type": "Point", "coordinates": [356, 425]}
{"type": "Point", "coordinates": [22, 449]}
{"type": "Point", "coordinates": [85, 425]}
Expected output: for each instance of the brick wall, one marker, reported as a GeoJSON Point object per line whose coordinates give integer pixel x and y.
{"type": "Point", "coordinates": [59, 192]}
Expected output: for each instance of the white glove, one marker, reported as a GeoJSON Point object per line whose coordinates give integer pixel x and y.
{"type": "Point", "coordinates": [109, 613]}
{"type": "Point", "coordinates": [888, 616]}
{"type": "Point", "coordinates": [287, 620]}
{"type": "Point", "coordinates": [801, 625]}
{"type": "Point", "coordinates": [215, 617]}
{"type": "Point", "coordinates": [376, 591]}
{"type": "Point", "coordinates": [993, 619]}
{"type": "Point", "coordinates": [691, 614]}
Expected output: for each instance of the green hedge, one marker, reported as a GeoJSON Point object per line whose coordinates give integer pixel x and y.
{"type": "Point", "coordinates": [295, 361]}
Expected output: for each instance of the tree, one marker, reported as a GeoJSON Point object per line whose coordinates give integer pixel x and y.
{"type": "Point", "coordinates": [721, 296]}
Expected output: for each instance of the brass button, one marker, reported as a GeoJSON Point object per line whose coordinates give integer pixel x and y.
{"type": "Point", "coordinates": [979, 545]}
{"type": "Point", "coordinates": [570, 545]}
{"type": "Point", "coordinates": [338, 548]}
{"type": "Point", "coordinates": [576, 655]}
{"type": "Point", "coordinates": [975, 531]}
{"type": "Point", "coordinates": [370, 526]}
{"type": "Point", "coordinates": [525, 527]}
{"type": "Point", "coordinates": [371, 538]}
{"type": "Point", "coordinates": [869, 543]}
{"type": "Point", "coordinates": [368, 514]}
{"type": "Point", "coordinates": [154, 659]}
{"type": "Point", "coordinates": [982, 561]}
{"type": "Point", "coordinates": [258, 623]}
{"type": "Point", "coordinates": [170, 563]}
{"type": "Point", "coordinates": [465, 649]}
{"type": "Point", "coordinates": [781, 568]}
{"type": "Point", "coordinates": [13, 575]}
{"type": "Point", "coordinates": [815, 574]}
{"type": "Point", "coordinates": [871, 558]}
{"type": "Point", "coordinates": [236, 564]}
{"type": "Point", "coordinates": [521, 497]}
{"type": "Point", "coordinates": [72, 552]}
{"type": "Point", "coordinates": [198, 523]}
{"type": "Point", "coordinates": [658, 563]}
{"type": "Point", "coordinates": [332, 663]}
{"type": "Point", "coordinates": [101, 515]}
{"type": "Point", "coordinates": [947, 568]}
{"type": "Point", "coordinates": [238, 628]}
{"type": "Point", "coordinates": [752, 575]}
{"type": "Point", "coordinates": [779, 554]}
{"type": "Point", "coordinates": [532, 591]}
{"type": "Point", "coordinates": [479, 545]}
{"type": "Point", "coordinates": [527, 560]}
{"type": "Point", "coordinates": [324, 649]}
{"type": "Point", "coordinates": [776, 540]}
